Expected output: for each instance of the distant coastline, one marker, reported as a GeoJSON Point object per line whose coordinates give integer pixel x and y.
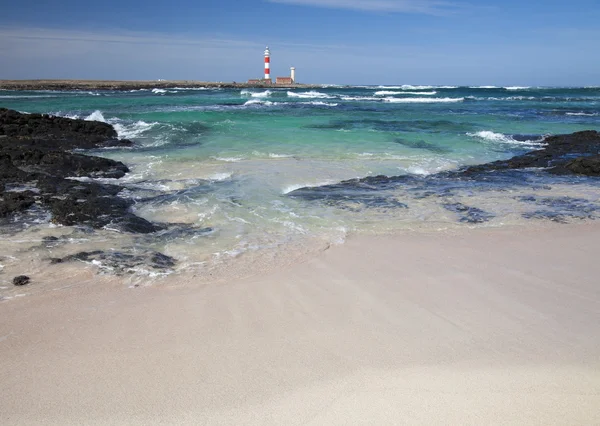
{"type": "Point", "coordinates": [133, 84]}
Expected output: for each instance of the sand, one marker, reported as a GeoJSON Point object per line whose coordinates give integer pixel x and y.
{"type": "Point", "coordinates": [469, 327]}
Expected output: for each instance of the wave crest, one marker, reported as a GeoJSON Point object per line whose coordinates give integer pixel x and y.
{"type": "Point", "coordinates": [251, 94]}
{"type": "Point", "coordinates": [309, 95]}
{"type": "Point", "coordinates": [489, 136]}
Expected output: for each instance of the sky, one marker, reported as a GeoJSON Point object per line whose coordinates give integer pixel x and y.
{"type": "Point", "coordinates": [438, 42]}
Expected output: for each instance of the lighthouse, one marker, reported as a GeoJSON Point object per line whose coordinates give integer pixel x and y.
{"type": "Point", "coordinates": [267, 64]}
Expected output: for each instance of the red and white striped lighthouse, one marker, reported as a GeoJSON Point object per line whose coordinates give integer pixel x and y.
{"type": "Point", "coordinates": [267, 64]}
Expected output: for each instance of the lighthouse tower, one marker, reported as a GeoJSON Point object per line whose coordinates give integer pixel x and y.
{"type": "Point", "coordinates": [267, 64]}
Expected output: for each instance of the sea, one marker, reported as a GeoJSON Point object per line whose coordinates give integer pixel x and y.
{"type": "Point", "coordinates": [246, 180]}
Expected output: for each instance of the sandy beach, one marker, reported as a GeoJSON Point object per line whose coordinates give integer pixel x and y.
{"type": "Point", "coordinates": [474, 326]}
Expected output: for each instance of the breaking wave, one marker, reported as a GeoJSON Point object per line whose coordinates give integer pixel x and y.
{"type": "Point", "coordinates": [320, 103]}
{"type": "Point", "coordinates": [251, 94]}
{"type": "Point", "coordinates": [392, 93]}
{"type": "Point", "coordinates": [490, 136]}
{"type": "Point", "coordinates": [422, 100]}
{"type": "Point", "coordinates": [95, 116]}
{"type": "Point", "coordinates": [124, 130]}
{"type": "Point", "coordinates": [308, 95]}
{"type": "Point", "coordinates": [582, 114]}
{"type": "Point", "coordinates": [259, 102]}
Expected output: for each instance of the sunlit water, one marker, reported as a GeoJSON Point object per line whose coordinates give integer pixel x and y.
{"type": "Point", "coordinates": [223, 165]}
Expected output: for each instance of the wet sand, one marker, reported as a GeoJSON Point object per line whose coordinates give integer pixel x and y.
{"type": "Point", "coordinates": [474, 326]}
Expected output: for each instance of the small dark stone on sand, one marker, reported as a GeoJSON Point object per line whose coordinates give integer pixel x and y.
{"type": "Point", "coordinates": [21, 280]}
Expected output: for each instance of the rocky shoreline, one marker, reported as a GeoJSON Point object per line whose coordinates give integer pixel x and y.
{"type": "Point", "coordinates": [575, 155]}
{"type": "Point", "coordinates": [41, 169]}
{"type": "Point", "coordinates": [38, 168]}
{"type": "Point", "coordinates": [36, 157]}
{"type": "Point", "coordinates": [134, 85]}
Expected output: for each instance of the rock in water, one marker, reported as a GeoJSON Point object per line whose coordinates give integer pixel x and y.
{"type": "Point", "coordinates": [36, 160]}
{"type": "Point", "coordinates": [21, 280]}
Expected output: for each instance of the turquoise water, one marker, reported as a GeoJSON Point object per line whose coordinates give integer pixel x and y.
{"type": "Point", "coordinates": [226, 161]}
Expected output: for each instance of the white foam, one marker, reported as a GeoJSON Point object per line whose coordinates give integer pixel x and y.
{"type": "Point", "coordinates": [359, 98]}
{"type": "Point", "coordinates": [264, 94]}
{"type": "Point", "coordinates": [407, 87]}
{"type": "Point", "coordinates": [228, 159]}
{"type": "Point", "coordinates": [490, 136]}
{"type": "Point", "coordinates": [417, 170]}
{"type": "Point", "coordinates": [260, 102]}
{"type": "Point", "coordinates": [583, 114]}
{"type": "Point", "coordinates": [508, 98]}
{"type": "Point", "coordinates": [96, 116]}
{"type": "Point", "coordinates": [134, 130]}
{"type": "Point", "coordinates": [483, 87]}
{"type": "Point", "coordinates": [159, 91]}
{"type": "Point", "coordinates": [320, 103]}
{"type": "Point", "coordinates": [72, 116]}
{"type": "Point", "coordinates": [517, 87]}
{"type": "Point", "coordinates": [220, 176]}
{"type": "Point", "coordinates": [293, 187]}
{"type": "Point", "coordinates": [422, 100]}
{"type": "Point", "coordinates": [388, 92]}
{"type": "Point", "coordinates": [273, 155]}
{"type": "Point", "coordinates": [309, 95]}
{"type": "Point", "coordinates": [195, 88]}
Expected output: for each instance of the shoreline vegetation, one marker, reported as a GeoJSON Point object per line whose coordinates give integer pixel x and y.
{"type": "Point", "coordinates": [136, 85]}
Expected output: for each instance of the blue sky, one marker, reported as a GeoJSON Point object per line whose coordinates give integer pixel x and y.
{"type": "Point", "coordinates": [328, 41]}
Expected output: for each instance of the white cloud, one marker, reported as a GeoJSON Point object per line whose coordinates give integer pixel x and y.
{"type": "Point", "coordinates": [431, 7]}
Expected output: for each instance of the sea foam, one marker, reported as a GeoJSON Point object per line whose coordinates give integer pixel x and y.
{"type": "Point", "coordinates": [259, 102]}
{"type": "Point", "coordinates": [134, 130]}
{"type": "Point", "coordinates": [264, 94]}
{"type": "Point", "coordinates": [389, 92]}
{"type": "Point", "coordinates": [490, 136]}
{"type": "Point", "coordinates": [96, 116]}
{"type": "Point", "coordinates": [422, 100]}
{"type": "Point", "coordinates": [583, 114]}
{"type": "Point", "coordinates": [309, 95]}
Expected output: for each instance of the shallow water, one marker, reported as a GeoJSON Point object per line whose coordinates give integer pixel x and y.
{"type": "Point", "coordinates": [222, 166]}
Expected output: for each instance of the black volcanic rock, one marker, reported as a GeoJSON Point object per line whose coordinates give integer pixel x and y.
{"type": "Point", "coordinates": [124, 261]}
{"type": "Point", "coordinates": [21, 280]}
{"type": "Point", "coordinates": [589, 166]}
{"type": "Point", "coordinates": [70, 133]}
{"type": "Point", "coordinates": [15, 201]}
{"type": "Point", "coordinates": [92, 204]}
{"type": "Point", "coordinates": [36, 157]}
{"type": "Point", "coordinates": [60, 163]}
{"type": "Point", "coordinates": [577, 153]}
{"type": "Point", "coordinates": [468, 214]}
{"type": "Point", "coordinates": [559, 151]}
